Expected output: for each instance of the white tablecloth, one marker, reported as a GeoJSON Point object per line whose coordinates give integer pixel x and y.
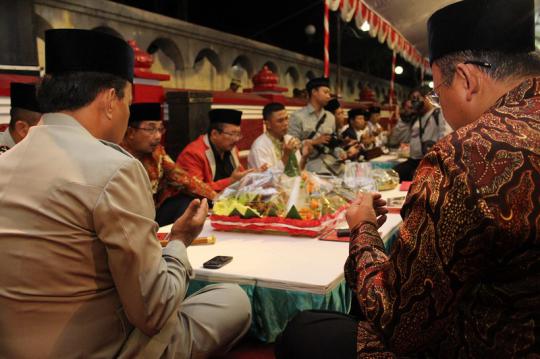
{"type": "Point", "coordinates": [275, 261]}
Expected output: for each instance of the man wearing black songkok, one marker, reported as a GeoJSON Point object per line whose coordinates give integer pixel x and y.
{"type": "Point", "coordinates": [462, 278]}
{"type": "Point", "coordinates": [23, 115]}
{"type": "Point", "coordinates": [316, 125]}
{"type": "Point", "coordinates": [83, 274]}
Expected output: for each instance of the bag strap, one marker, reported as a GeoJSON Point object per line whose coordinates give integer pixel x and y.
{"type": "Point", "coordinates": [317, 126]}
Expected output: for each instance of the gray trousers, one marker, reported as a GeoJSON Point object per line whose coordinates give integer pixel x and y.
{"type": "Point", "coordinates": [210, 321]}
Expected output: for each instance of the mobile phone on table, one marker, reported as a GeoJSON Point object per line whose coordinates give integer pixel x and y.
{"type": "Point", "coordinates": [217, 262]}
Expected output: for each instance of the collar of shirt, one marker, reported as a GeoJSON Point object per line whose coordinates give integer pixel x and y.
{"type": "Point", "coordinates": [519, 93]}
{"type": "Point", "coordinates": [278, 145]}
{"type": "Point", "coordinates": [311, 110]}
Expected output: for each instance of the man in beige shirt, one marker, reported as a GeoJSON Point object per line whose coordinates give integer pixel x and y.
{"type": "Point", "coordinates": [83, 275]}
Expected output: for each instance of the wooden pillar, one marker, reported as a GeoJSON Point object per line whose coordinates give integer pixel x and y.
{"type": "Point", "coordinates": [188, 119]}
{"type": "Point", "coordinates": [18, 50]}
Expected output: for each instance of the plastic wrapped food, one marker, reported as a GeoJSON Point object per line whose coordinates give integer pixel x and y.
{"type": "Point", "coordinates": [385, 179]}
{"type": "Point", "coordinates": [273, 202]}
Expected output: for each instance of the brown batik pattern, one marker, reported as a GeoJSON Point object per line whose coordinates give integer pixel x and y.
{"type": "Point", "coordinates": [168, 179]}
{"type": "Point", "coordinates": [463, 278]}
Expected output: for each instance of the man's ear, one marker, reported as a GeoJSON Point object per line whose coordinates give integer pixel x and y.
{"type": "Point", "coordinates": [21, 128]}
{"type": "Point", "coordinates": [109, 102]}
{"type": "Point", "coordinates": [467, 77]}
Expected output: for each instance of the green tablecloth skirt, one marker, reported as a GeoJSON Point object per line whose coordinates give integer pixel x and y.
{"type": "Point", "coordinates": [273, 308]}
{"type": "Point", "coordinates": [385, 165]}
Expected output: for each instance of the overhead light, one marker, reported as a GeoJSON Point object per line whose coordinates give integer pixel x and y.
{"type": "Point", "coordinates": [310, 30]}
{"type": "Point", "coordinates": [431, 85]}
{"type": "Point", "coordinates": [398, 70]}
{"type": "Point", "coordinates": [365, 26]}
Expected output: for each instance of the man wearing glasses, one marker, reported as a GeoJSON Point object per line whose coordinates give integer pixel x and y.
{"type": "Point", "coordinates": [172, 187]}
{"type": "Point", "coordinates": [214, 157]}
{"type": "Point", "coordinates": [462, 278]}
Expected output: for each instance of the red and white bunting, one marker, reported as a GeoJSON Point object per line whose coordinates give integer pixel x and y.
{"type": "Point", "coordinates": [348, 9]}
{"type": "Point", "coordinates": [383, 32]}
{"type": "Point", "coordinates": [333, 4]}
{"type": "Point", "coordinates": [379, 28]}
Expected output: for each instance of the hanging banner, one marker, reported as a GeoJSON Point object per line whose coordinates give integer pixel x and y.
{"type": "Point", "coordinates": [383, 32]}
{"type": "Point", "coordinates": [333, 4]}
{"type": "Point", "coordinates": [348, 9]}
{"type": "Point", "coordinates": [379, 28]}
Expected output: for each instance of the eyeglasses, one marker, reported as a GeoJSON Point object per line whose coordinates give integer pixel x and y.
{"type": "Point", "coordinates": [433, 95]}
{"type": "Point", "coordinates": [153, 130]}
{"type": "Point", "coordinates": [237, 135]}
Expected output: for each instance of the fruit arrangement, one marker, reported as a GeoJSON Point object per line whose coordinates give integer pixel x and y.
{"type": "Point", "coordinates": [273, 202]}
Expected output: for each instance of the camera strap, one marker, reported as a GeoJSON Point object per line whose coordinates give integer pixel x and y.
{"type": "Point", "coordinates": [317, 126]}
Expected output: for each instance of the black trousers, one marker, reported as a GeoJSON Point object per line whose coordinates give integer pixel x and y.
{"type": "Point", "coordinates": [407, 169]}
{"type": "Point", "coordinates": [316, 334]}
{"type": "Point", "coordinates": [172, 208]}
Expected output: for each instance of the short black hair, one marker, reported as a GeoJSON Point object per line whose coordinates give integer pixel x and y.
{"type": "Point", "coordinates": [503, 65]}
{"type": "Point", "coordinates": [422, 90]}
{"type": "Point", "coordinates": [73, 90]}
{"type": "Point", "coordinates": [270, 108]}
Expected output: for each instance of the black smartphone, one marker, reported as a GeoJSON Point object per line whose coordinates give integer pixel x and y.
{"type": "Point", "coordinates": [343, 232]}
{"type": "Point", "coordinates": [217, 262]}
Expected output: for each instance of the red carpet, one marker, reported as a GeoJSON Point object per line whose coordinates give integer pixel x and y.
{"type": "Point", "coordinates": [250, 349]}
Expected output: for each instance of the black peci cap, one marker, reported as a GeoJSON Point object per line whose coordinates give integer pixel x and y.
{"type": "Point", "coordinates": [221, 115]}
{"type": "Point", "coordinates": [332, 105]}
{"type": "Point", "coordinates": [358, 112]}
{"type": "Point", "coordinates": [74, 50]}
{"type": "Point", "coordinates": [482, 25]}
{"type": "Point", "coordinates": [23, 95]}
{"type": "Point", "coordinates": [317, 82]}
{"type": "Point", "coordinates": [150, 111]}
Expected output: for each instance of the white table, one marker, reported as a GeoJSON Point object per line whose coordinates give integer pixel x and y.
{"type": "Point", "coordinates": [304, 273]}
{"type": "Point", "coordinates": [276, 261]}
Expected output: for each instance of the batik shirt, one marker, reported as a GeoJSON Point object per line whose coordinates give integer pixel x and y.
{"type": "Point", "coordinates": [463, 277]}
{"type": "Point", "coordinates": [167, 179]}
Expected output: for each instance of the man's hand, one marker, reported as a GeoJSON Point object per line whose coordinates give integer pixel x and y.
{"type": "Point", "coordinates": [367, 139]}
{"type": "Point", "coordinates": [367, 207]}
{"type": "Point", "coordinates": [353, 151]}
{"type": "Point", "coordinates": [239, 172]}
{"type": "Point", "coordinates": [321, 140]}
{"type": "Point", "coordinates": [350, 141]}
{"type": "Point", "coordinates": [290, 146]}
{"type": "Point", "coordinates": [189, 225]}
{"type": "Point", "coordinates": [263, 168]}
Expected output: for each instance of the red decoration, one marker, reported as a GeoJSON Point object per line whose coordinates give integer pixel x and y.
{"type": "Point", "coordinates": [143, 62]}
{"type": "Point", "coordinates": [277, 225]}
{"type": "Point", "coordinates": [265, 82]}
{"type": "Point", "coordinates": [367, 94]}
